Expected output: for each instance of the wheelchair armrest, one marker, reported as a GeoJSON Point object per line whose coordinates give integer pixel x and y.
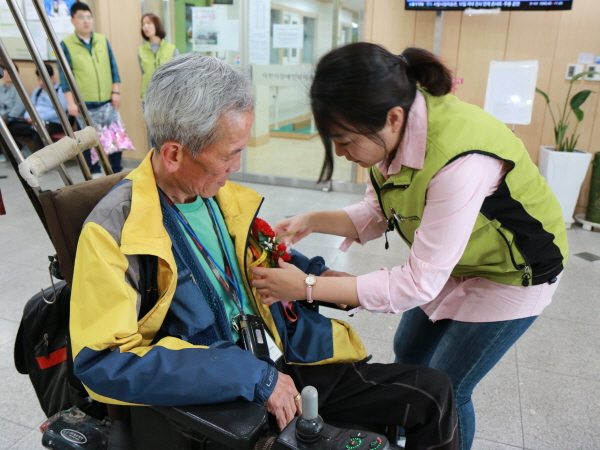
{"type": "Point", "coordinates": [237, 425]}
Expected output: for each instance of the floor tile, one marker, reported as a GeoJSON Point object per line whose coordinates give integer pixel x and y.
{"type": "Point", "coordinates": [484, 444]}
{"type": "Point", "coordinates": [497, 407]}
{"type": "Point", "coordinates": [11, 433]}
{"type": "Point", "coordinates": [19, 290]}
{"type": "Point", "coordinates": [30, 441]}
{"type": "Point", "coordinates": [562, 347]}
{"type": "Point", "coordinates": [18, 402]}
{"type": "Point", "coordinates": [559, 411]}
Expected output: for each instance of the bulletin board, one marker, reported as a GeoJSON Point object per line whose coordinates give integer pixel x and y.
{"type": "Point", "coordinates": [59, 14]}
{"type": "Point", "coordinates": [511, 90]}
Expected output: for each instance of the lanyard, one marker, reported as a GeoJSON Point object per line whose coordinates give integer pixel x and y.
{"type": "Point", "coordinates": [225, 276]}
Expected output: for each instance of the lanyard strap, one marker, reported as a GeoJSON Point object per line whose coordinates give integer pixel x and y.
{"type": "Point", "coordinates": [225, 277]}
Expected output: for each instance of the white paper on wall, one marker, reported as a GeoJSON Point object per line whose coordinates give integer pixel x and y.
{"type": "Point", "coordinates": [288, 36]}
{"type": "Point", "coordinates": [511, 91]}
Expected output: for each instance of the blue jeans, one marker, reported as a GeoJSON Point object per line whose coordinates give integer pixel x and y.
{"type": "Point", "coordinates": [114, 159]}
{"type": "Point", "coordinates": [466, 351]}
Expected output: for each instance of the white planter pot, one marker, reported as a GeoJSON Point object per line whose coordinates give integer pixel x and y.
{"type": "Point", "coordinates": [564, 173]}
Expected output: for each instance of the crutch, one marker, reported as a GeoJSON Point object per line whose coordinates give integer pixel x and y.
{"type": "Point", "coordinates": [53, 155]}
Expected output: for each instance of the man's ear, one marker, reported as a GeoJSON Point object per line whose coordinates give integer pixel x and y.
{"type": "Point", "coordinates": [171, 155]}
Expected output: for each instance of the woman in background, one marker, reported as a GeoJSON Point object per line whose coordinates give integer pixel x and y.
{"type": "Point", "coordinates": [155, 51]}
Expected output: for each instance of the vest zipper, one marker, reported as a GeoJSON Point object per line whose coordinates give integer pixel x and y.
{"type": "Point", "coordinates": [526, 268]}
{"type": "Point", "coordinates": [396, 219]}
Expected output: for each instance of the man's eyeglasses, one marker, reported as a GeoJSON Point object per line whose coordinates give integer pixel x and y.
{"type": "Point", "coordinates": [82, 18]}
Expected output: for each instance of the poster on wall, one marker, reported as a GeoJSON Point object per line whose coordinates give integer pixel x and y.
{"type": "Point", "coordinates": [211, 34]}
{"type": "Point", "coordinates": [58, 8]}
{"type": "Point", "coordinates": [259, 25]}
{"type": "Point", "coordinates": [288, 36]}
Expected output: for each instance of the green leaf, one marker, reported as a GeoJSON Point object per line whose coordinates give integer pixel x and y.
{"type": "Point", "coordinates": [539, 91]}
{"type": "Point", "coordinates": [583, 74]}
{"type": "Point", "coordinates": [560, 132]}
{"type": "Point", "coordinates": [578, 100]}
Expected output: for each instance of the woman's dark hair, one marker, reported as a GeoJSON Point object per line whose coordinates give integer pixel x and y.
{"type": "Point", "coordinates": [356, 85]}
{"type": "Point", "coordinates": [158, 26]}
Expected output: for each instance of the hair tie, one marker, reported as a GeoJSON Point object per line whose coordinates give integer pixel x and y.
{"type": "Point", "coordinates": [403, 58]}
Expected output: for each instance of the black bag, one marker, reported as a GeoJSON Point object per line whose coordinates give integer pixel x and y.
{"type": "Point", "coordinates": [42, 351]}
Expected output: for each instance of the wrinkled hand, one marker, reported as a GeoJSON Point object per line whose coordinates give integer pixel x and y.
{"type": "Point", "coordinates": [281, 403]}
{"type": "Point", "coordinates": [335, 273]}
{"type": "Point", "coordinates": [297, 227]}
{"type": "Point", "coordinates": [281, 284]}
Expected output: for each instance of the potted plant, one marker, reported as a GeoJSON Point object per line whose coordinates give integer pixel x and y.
{"type": "Point", "coordinates": [563, 165]}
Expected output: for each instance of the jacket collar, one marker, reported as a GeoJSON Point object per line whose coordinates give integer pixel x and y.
{"type": "Point", "coordinates": [143, 231]}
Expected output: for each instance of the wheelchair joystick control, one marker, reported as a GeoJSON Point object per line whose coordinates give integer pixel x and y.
{"type": "Point", "coordinates": [309, 426]}
{"type": "Point", "coordinates": [309, 432]}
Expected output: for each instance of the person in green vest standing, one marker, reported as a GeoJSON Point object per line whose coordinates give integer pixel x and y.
{"type": "Point", "coordinates": [487, 240]}
{"type": "Point", "coordinates": [91, 59]}
{"type": "Point", "coordinates": [155, 51]}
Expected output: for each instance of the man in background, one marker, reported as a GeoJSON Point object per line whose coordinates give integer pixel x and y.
{"type": "Point", "coordinates": [45, 109]}
{"type": "Point", "coordinates": [96, 73]}
{"type": "Point", "coordinates": [11, 106]}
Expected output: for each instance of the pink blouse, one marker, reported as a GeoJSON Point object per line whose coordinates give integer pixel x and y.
{"type": "Point", "coordinates": [454, 198]}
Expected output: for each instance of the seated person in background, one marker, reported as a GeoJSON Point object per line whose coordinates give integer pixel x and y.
{"type": "Point", "coordinates": [43, 105]}
{"type": "Point", "coordinates": [11, 106]}
{"type": "Point", "coordinates": [161, 277]}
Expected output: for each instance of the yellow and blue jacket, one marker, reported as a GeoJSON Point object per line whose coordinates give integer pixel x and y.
{"type": "Point", "coordinates": [120, 351]}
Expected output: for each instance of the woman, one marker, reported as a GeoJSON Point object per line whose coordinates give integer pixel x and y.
{"type": "Point", "coordinates": [486, 234]}
{"type": "Point", "coordinates": [155, 51]}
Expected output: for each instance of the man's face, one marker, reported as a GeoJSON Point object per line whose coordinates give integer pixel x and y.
{"type": "Point", "coordinates": [83, 21]}
{"type": "Point", "coordinates": [207, 173]}
{"type": "Point", "coordinates": [41, 82]}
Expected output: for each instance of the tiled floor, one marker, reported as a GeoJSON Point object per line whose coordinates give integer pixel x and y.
{"type": "Point", "coordinates": [543, 395]}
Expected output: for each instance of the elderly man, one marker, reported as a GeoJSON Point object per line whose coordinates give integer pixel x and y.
{"type": "Point", "coordinates": [162, 287]}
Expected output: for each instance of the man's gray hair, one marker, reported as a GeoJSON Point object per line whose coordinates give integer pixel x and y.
{"type": "Point", "coordinates": [188, 95]}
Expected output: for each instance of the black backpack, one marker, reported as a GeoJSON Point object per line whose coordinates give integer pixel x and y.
{"type": "Point", "coordinates": [43, 352]}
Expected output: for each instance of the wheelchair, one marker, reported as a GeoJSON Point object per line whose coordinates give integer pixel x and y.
{"type": "Point", "coordinates": [238, 425]}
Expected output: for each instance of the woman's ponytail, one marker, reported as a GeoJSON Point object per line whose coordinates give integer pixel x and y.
{"type": "Point", "coordinates": [428, 71]}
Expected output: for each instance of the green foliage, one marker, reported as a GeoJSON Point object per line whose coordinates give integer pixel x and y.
{"type": "Point", "coordinates": [563, 141]}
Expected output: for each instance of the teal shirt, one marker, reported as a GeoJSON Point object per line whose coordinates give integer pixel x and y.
{"type": "Point", "coordinates": [197, 215]}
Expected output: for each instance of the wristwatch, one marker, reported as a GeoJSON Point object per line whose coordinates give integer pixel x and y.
{"type": "Point", "coordinates": [310, 281]}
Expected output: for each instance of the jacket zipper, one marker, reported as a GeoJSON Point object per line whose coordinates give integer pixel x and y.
{"type": "Point", "coordinates": [246, 244]}
{"type": "Point", "coordinates": [526, 268]}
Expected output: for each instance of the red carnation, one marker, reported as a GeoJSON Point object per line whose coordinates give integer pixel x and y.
{"type": "Point", "coordinates": [281, 247]}
{"type": "Point", "coordinates": [262, 226]}
{"type": "Point", "coordinates": [286, 257]}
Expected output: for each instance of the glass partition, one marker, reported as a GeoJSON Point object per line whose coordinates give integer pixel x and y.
{"type": "Point", "coordinates": [278, 43]}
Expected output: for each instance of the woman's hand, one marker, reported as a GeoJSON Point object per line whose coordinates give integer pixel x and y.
{"type": "Point", "coordinates": [297, 227]}
{"type": "Point", "coordinates": [281, 284]}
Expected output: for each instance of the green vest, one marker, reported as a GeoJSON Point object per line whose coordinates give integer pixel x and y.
{"type": "Point", "coordinates": [91, 70]}
{"type": "Point", "coordinates": [151, 61]}
{"type": "Point", "coordinates": [519, 237]}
